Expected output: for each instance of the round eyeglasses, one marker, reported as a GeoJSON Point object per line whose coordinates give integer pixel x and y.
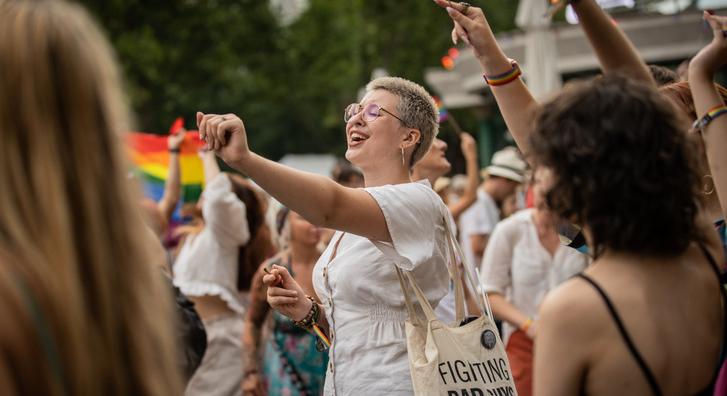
{"type": "Point", "coordinates": [371, 112]}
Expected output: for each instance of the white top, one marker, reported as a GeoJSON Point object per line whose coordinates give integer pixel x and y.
{"type": "Point", "coordinates": [478, 219]}
{"type": "Point", "coordinates": [517, 265]}
{"type": "Point", "coordinates": [207, 263]}
{"type": "Point", "coordinates": [362, 296]}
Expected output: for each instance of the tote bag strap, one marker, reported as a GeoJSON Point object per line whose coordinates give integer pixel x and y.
{"type": "Point", "coordinates": [413, 316]}
{"type": "Point", "coordinates": [453, 250]}
{"type": "Point", "coordinates": [455, 275]}
{"type": "Point", "coordinates": [456, 251]}
{"type": "Point", "coordinates": [421, 297]}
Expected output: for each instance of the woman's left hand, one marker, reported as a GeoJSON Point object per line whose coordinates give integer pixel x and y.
{"type": "Point", "coordinates": [714, 55]}
{"type": "Point", "coordinates": [285, 294]}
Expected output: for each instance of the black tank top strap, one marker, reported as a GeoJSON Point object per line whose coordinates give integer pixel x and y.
{"type": "Point", "coordinates": [625, 335]}
{"type": "Point", "coordinates": [723, 349]}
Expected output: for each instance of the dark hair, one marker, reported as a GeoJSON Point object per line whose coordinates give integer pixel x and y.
{"type": "Point", "coordinates": [281, 219]}
{"type": "Point", "coordinates": [259, 247]}
{"type": "Point", "coordinates": [663, 75]}
{"type": "Point", "coordinates": [622, 166]}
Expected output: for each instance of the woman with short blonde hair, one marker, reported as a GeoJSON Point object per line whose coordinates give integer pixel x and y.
{"type": "Point", "coordinates": [361, 306]}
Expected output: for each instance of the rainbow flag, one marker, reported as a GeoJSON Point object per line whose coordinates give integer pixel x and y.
{"type": "Point", "coordinates": [150, 155]}
{"type": "Point", "coordinates": [443, 114]}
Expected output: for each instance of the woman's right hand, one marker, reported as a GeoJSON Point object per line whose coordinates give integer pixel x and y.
{"type": "Point", "coordinates": [285, 294]}
{"type": "Point", "coordinates": [225, 134]}
{"type": "Point", "coordinates": [470, 26]}
{"type": "Point", "coordinates": [714, 55]}
{"type": "Point", "coordinates": [252, 385]}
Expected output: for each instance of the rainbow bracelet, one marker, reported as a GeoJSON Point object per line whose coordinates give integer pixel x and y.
{"type": "Point", "coordinates": [322, 336]}
{"type": "Point", "coordinates": [706, 119]}
{"type": "Point", "coordinates": [505, 78]}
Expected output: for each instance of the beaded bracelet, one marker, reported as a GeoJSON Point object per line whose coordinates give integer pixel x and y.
{"type": "Point", "coordinates": [311, 318]}
{"type": "Point", "coordinates": [505, 78]}
{"type": "Point", "coordinates": [711, 114]}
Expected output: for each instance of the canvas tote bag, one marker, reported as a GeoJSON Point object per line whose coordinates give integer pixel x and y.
{"type": "Point", "coordinates": [468, 360]}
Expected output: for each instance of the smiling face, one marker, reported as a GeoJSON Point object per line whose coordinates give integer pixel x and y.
{"type": "Point", "coordinates": [434, 163]}
{"type": "Point", "coordinates": [376, 143]}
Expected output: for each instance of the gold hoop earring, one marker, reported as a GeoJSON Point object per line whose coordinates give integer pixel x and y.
{"type": "Point", "coordinates": [403, 161]}
{"type": "Point", "coordinates": [704, 188]}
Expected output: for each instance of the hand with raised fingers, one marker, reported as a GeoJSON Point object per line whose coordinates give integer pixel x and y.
{"type": "Point", "coordinates": [468, 145]}
{"type": "Point", "coordinates": [175, 140]}
{"type": "Point", "coordinates": [285, 294]}
{"type": "Point", "coordinates": [714, 55]}
{"type": "Point", "coordinates": [225, 134]}
{"type": "Point", "coordinates": [470, 26]}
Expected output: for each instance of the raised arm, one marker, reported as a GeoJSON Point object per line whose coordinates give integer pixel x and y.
{"type": "Point", "coordinates": [173, 185]}
{"type": "Point", "coordinates": [469, 149]}
{"type": "Point", "coordinates": [209, 165]}
{"type": "Point", "coordinates": [517, 105]}
{"type": "Point", "coordinates": [707, 99]}
{"type": "Point", "coordinates": [318, 199]}
{"type": "Point", "coordinates": [614, 50]}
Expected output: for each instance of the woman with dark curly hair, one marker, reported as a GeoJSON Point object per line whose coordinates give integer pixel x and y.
{"type": "Point", "coordinates": [620, 165]}
{"type": "Point", "coordinates": [647, 316]}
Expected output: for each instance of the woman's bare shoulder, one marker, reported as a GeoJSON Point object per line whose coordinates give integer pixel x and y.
{"type": "Point", "coordinates": [573, 307]}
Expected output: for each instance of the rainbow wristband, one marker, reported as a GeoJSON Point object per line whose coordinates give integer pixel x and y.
{"type": "Point", "coordinates": [505, 78]}
{"type": "Point", "coordinates": [711, 114]}
{"type": "Point", "coordinates": [322, 336]}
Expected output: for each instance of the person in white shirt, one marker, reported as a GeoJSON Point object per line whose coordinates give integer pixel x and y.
{"type": "Point", "coordinates": [216, 262]}
{"type": "Point", "coordinates": [361, 306]}
{"type": "Point", "coordinates": [503, 177]}
{"type": "Point", "coordinates": [523, 261]}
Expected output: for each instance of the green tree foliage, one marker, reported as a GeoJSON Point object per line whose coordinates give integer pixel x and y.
{"type": "Point", "coordinates": [289, 83]}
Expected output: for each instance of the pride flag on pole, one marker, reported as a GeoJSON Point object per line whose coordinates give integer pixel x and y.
{"type": "Point", "coordinates": [443, 114]}
{"type": "Point", "coordinates": [150, 156]}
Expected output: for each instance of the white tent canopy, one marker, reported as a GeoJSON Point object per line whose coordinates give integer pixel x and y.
{"type": "Point", "coordinates": [541, 51]}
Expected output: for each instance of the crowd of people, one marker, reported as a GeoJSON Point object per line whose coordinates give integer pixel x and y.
{"type": "Point", "coordinates": [290, 283]}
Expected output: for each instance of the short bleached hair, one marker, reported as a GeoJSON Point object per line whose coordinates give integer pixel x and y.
{"type": "Point", "coordinates": [416, 108]}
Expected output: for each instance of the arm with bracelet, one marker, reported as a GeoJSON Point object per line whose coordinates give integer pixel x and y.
{"type": "Point", "coordinates": [709, 106]}
{"type": "Point", "coordinates": [517, 105]}
{"type": "Point", "coordinates": [173, 184]}
{"type": "Point", "coordinates": [285, 293]}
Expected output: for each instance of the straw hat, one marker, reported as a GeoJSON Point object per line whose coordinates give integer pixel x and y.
{"type": "Point", "coordinates": [507, 163]}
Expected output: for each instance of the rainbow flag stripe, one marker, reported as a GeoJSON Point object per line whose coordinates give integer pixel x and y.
{"type": "Point", "coordinates": [150, 156]}
{"type": "Point", "coordinates": [443, 114]}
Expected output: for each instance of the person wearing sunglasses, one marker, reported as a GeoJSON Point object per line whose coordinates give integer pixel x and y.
{"type": "Point", "coordinates": [359, 308]}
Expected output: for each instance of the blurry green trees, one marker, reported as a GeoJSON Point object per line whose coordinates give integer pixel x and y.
{"type": "Point", "coordinates": [289, 83]}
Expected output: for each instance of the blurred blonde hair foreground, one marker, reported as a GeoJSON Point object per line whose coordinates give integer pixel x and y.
{"type": "Point", "coordinates": [85, 311]}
